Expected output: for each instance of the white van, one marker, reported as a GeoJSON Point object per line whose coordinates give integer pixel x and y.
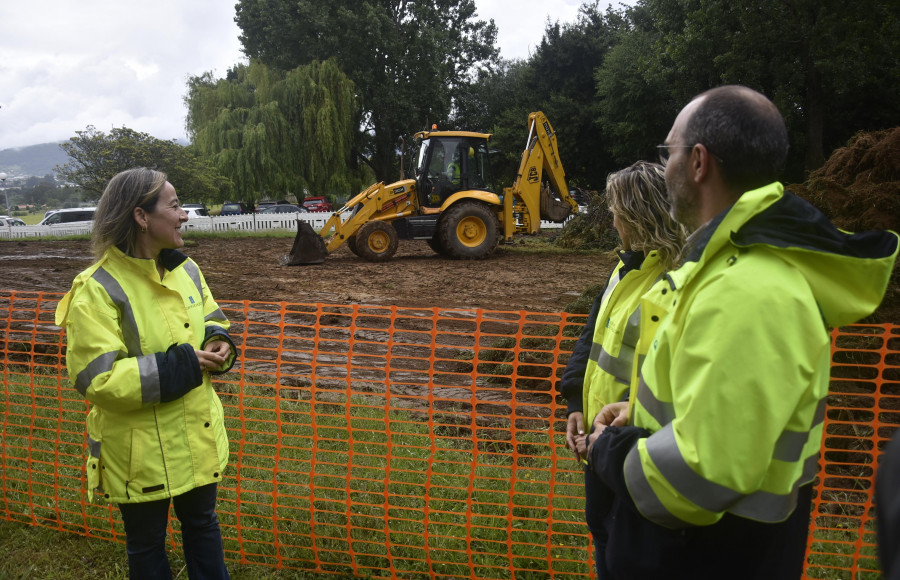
{"type": "Point", "coordinates": [75, 215]}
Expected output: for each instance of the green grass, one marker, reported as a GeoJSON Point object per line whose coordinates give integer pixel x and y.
{"type": "Point", "coordinates": [37, 553]}
{"type": "Point", "coordinates": [360, 489]}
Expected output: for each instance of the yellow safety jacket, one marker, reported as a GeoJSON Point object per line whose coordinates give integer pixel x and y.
{"type": "Point", "coordinates": [609, 366]}
{"type": "Point", "coordinates": [123, 325]}
{"type": "Point", "coordinates": [737, 370]}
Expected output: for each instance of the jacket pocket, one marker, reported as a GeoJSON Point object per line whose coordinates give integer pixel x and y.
{"type": "Point", "coordinates": [93, 470]}
{"type": "Point", "coordinates": [136, 457]}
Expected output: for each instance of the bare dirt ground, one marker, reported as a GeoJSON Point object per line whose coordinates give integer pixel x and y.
{"type": "Point", "coordinates": [248, 269]}
{"type": "Point", "coordinates": [514, 278]}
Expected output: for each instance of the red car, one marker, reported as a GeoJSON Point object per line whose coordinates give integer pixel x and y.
{"type": "Point", "coordinates": [317, 204]}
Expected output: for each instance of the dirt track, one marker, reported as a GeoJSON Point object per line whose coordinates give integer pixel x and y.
{"type": "Point", "coordinates": [249, 269]}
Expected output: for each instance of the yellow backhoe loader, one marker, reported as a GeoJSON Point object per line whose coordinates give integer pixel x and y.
{"type": "Point", "coordinates": [450, 202]}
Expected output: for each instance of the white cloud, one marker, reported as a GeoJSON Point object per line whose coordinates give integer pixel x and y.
{"type": "Point", "coordinates": [520, 25]}
{"type": "Point", "coordinates": [67, 64]}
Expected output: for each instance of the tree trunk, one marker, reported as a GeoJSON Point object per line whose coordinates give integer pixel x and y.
{"type": "Point", "coordinates": [815, 119]}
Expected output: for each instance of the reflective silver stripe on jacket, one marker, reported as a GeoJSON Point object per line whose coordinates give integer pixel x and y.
{"type": "Point", "coordinates": [148, 369]}
{"type": "Point", "coordinates": [612, 284]}
{"type": "Point", "coordinates": [194, 272]}
{"type": "Point", "coordinates": [129, 327]}
{"type": "Point", "coordinates": [642, 494]}
{"type": "Point", "coordinates": [216, 315]}
{"type": "Point", "coordinates": [101, 364]}
{"type": "Point", "coordinates": [713, 497]}
{"type": "Point", "coordinates": [790, 444]}
{"type": "Point", "coordinates": [620, 366]}
{"type": "Point", "coordinates": [769, 507]}
{"type": "Point", "coordinates": [94, 448]}
{"type": "Point", "coordinates": [662, 411]}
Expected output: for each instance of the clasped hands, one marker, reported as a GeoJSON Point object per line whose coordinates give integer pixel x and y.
{"type": "Point", "coordinates": [614, 414]}
{"type": "Point", "coordinates": [213, 355]}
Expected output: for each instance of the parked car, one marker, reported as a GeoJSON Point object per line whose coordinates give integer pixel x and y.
{"type": "Point", "coordinates": [264, 204]}
{"type": "Point", "coordinates": [317, 204]}
{"type": "Point", "coordinates": [580, 196]}
{"type": "Point", "coordinates": [11, 221]}
{"type": "Point", "coordinates": [282, 208]}
{"type": "Point", "coordinates": [187, 206]}
{"type": "Point", "coordinates": [234, 208]}
{"type": "Point", "coordinates": [69, 216]}
{"type": "Point", "coordinates": [195, 212]}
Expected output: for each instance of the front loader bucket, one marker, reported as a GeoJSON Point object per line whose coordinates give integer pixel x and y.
{"type": "Point", "coordinates": [309, 247]}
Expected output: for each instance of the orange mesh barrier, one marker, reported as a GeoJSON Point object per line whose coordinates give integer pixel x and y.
{"type": "Point", "coordinates": [405, 442]}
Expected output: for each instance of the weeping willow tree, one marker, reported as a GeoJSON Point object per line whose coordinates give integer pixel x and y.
{"type": "Point", "coordinates": [275, 132]}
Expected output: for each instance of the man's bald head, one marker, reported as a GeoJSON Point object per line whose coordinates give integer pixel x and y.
{"type": "Point", "coordinates": [744, 130]}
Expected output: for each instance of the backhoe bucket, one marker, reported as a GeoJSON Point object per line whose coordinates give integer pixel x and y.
{"type": "Point", "coordinates": [309, 247]}
{"type": "Point", "coordinates": [553, 209]}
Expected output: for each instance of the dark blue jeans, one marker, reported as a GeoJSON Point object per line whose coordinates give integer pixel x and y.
{"type": "Point", "coordinates": [145, 536]}
{"type": "Point", "coordinates": [598, 499]}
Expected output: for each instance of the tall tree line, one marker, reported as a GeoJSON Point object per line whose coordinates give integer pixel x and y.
{"type": "Point", "coordinates": [611, 82]}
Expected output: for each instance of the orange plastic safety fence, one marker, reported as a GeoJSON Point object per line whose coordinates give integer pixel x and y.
{"type": "Point", "coordinates": [862, 414]}
{"type": "Point", "coordinates": [403, 442]}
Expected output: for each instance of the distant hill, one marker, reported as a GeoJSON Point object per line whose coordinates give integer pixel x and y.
{"type": "Point", "coordinates": [36, 160]}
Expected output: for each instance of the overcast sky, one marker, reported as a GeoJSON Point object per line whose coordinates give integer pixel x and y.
{"type": "Point", "coordinates": [67, 64]}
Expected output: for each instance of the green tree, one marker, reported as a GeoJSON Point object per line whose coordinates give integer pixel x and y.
{"type": "Point", "coordinates": [273, 132]}
{"type": "Point", "coordinates": [497, 103]}
{"type": "Point", "coordinates": [817, 59]}
{"type": "Point", "coordinates": [563, 84]}
{"type": "Point", "coordinates": [37, 191]}
{"type": "Point", "coordinates": [559, 79]}
{"type": "Point", "coordinates": [407, 59]}
{"type": "Point", "coordinates": [95, 157]}
{"type": "Point", "coordinates": [634, 100]}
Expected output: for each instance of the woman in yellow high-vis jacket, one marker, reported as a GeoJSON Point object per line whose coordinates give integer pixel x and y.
{"type": "Point", "coordinates": [143, 335]}
{"type": "Point", "coordinates": [599, 370]}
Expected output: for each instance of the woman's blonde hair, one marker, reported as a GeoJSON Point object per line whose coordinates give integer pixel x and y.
{"type": "Point", "coordinates": [637, 195]}
{"type": "Point", "coordinates": [114, 223]}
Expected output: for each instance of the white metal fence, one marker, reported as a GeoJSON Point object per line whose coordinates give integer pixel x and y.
{"type": "Point", "coordinates": [244, 222]}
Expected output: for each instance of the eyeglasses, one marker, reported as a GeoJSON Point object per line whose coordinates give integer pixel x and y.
{"type": "Point", "coordinates": [664, 152]}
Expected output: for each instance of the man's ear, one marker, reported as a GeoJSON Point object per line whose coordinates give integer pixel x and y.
{"type": "Point", "coordinates": [700, 161]}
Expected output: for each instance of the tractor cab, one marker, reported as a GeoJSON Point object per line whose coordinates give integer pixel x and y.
{"type": "Point", "coordinates": [451, 161]}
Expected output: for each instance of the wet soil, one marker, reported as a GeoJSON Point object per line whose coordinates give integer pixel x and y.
{"type": "Point", "coordinates": [513, 278]}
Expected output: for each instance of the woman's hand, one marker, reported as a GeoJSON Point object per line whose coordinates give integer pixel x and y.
{"type": "Point", "coordinates": [614, 414]}
{"type": "Point", "coordinates": [214, 355]}
{"type": "Point", "coordinates": [575, 432]}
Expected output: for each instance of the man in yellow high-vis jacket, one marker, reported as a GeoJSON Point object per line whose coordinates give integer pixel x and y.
{"type": "Point", "coordinates": [713, 471]}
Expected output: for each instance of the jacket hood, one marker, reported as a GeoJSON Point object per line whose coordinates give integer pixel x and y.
{"type": "Point", "coordinates": [847, 272]}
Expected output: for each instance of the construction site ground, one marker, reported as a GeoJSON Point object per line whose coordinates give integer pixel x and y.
{"type": "Point", "coordinates": [541, 279]}
{"type": "Point", "coordinates": [529, 274]}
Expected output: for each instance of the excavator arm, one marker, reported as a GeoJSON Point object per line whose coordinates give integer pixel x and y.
{"type": "Point", "coordinates": [540, 190]}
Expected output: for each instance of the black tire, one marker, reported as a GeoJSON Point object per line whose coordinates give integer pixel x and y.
{"type": "Point", "coordinates": [376, 241]}
{"type": "Point", "coordinates": [351, 243]}
{"type": "Point", "coordinates": [468, 231]}
{"type": "Point", "coordinates": [435, 244]}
